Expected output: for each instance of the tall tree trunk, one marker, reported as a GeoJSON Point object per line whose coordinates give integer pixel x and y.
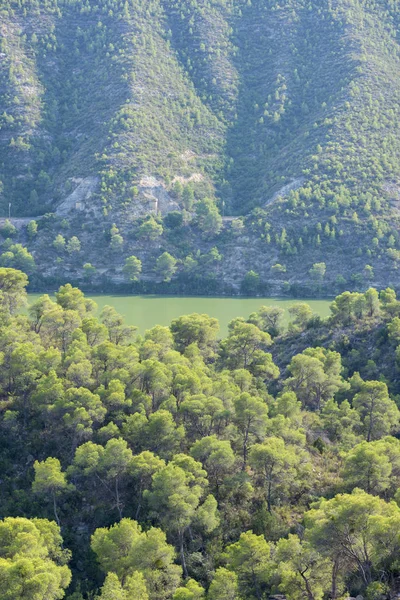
{"type": "Point", "coordinates": [335, 572]}
{"type": "Point", "coordinates": [117, 498]}
{"type": "Point", "coordinates": [269, 494]}
{"type": "Point", "coordinates": [371, 412]}
{"type": "Point", "coordinates": [182, 554]}
{"type": "Point", "coordinates": [245, 440]}
{"type": "Point", "coordinates": [139, 506]}
{"type": "Point", "coordinates": [55, 508]}
{"type": "Point", "coordinates": [310, 594]}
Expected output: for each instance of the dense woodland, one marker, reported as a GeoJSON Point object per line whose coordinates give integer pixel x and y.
{"type": "Point", "coordinates": [236, 146]}
{"type": "Point", "coordinates": [203, 109]}
{"type": "Point", "coordinates": [181, 466]}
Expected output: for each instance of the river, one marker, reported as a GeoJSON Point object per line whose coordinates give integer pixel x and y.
{"type": "Point", "coordinates": [147, 311]}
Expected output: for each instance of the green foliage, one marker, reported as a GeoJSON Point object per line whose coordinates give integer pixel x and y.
{"type": "Point", "coordinates": [301, 314]}
{"type": "Point", "coordinates": [194, 329]}
{"type": "Point", "coordinates": [132, 268]}
{"type": "Point", "coordinates": [150, 229]}
{"type": "Point", "coordinates": [378, 413]}
{"type": "Point", "coordinates": [89, 271]}
{"type": "Point", "coordinates": [268, 319]}
{"type": "Point", "coordinates": [8, 230]}
{"type": "Point", "coordinates": [59, 243]}
{"type": "Point", "coordinates": [180, 464]}
{"type": "Point", "coordinates": [126, 550]}
{"type": "Point", "coordinates": [32, 229]}
{"type": "Point", "coordinates": [318, 271]}
{"type": "Point", "coordinates": [73, 245]}
{"type": "Point", "coordinates": [49, 480]}
{"type": "Point", "coordinates": [224, 585]}
{"type": "Point", "coordinates": [32, 562]}
{"type": "Point", "coordinates": [251, 283]}
{"type": "Point", "coordinates": [173, 220]}
{"type": "Point", "coordinates": [302, 570]}
{"type": "Point", "coordinates": [250, 559]}
{"type": "Point", "coordinates": [208, 217]}
{"type": "Point", "coordinates": [316, 376]}
{"type": "Point", "coordinates": [18, 257]}
{"type": "Point", "coordinates": [12, 290]}
{"type": "Point", "coordinates": [166, 266]}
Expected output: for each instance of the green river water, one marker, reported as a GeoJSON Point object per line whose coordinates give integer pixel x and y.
{"type": "Point", "coordinates": [147, 311]}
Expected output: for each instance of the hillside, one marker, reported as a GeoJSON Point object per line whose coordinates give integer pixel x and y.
{"type": "Point", "coordinates": [181, 466]}
{"type": "Point", "coordinates": [284, 114]}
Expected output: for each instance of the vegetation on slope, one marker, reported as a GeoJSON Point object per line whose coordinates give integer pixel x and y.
{"type": "Point", "coordinates": [178, 466]}
{"type": "Point", "coordinates": [155, 106]}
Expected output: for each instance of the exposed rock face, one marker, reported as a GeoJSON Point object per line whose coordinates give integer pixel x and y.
{"type": "Point", "coordinates": [77, 201]}
{"type": "Point", "coordinates": [155, 198]}
{"type": "Point", "coordinates": [286, 189]}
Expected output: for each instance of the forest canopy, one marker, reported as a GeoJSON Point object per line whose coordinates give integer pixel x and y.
{"type": "Point", "coordinates": [180, 466]}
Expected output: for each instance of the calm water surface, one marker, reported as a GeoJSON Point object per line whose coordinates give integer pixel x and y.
{"type": "Point", "coordinates": [147, 311]}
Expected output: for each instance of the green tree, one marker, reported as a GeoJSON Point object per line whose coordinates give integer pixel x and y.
{"type": "Point", "coordinates": [394, 330]}
{"type": "Point", "coordinates": [269, 319]}
{"type": "Point", "coordinates": [188, 197]}
{"type": "Point", "coordinates": [372, 303]}
{"type": "Point", "coordinates": [116, 242]}
{"type": "Point", "coordinates": [251, 283]}
{"type": "Point", "coordinates": [142, 467]}
{"type": "Point", "coordinates": [118, 332]}
{"type": "Point", "coordinates": [59, 243]}
{"type": "Point", "coordinates": [8, 230]}
{"type": "Point", "coordinates": [18, 257]}
{"type": "Point", "coordinates": [71, 298]}
{"type": "Point", "coordinates": [368, 466]}
{"type": "Point", "coordinates": [224, 585]}
{"type": "Point", "coordinates": [112, 589]}
{"type": "Point", "coordinates": [357, 532]}
{"type": "Point", "coordinates": [173, 220]}
{"type": "Point", "coordinates": [216, 456]}
{"type": "Point", "coordinates": [277, 464]}
{"type": "Point", "coordinates": [166, 266]}
{"type": "Point", "coordinates": [250, 559]}
{"type": "Point", "coordinates": [348, 307]}
{"type": "Point", "coordinates": [135, 587]}
{"type": "Point", "coordinates": [317, 271]}
{"type": "Point", "coordinates": [303, 572]}
{"type": "Point", "coordinates": [89, 271]}
{"type": "Point", "coordinates": [301, 314]}
{"type": "Point", "coordinates": [150, 229]}
{"type": "Point", "coordinates": [73, 246]}
{"type": "Point", "coordinates": [125, 550]}
{"type": "Point", "coordinates": [244, 348]}
{"type": "Point", "coordinates": [196, 329]}
{"type": "Point", "coordinates": [316, 376]}
{"type": "Point", "coordinates": [132, 268]}
{"type": "Point", "coordinates": [114, 464]}
{"type": "Point", "coordinates": [251, 418]}
{"type": "Point", "coordinates": [13, 285]}
{"type": "Point", "coordinates": [175, 497]}
{"type": "Point", "coordinates": [278, 268]}
{"type": "Point", "coordinates": [49, 481]}
{"type": "Point", "coordinates": [378, 413]}
{"type": "Point", "coordinates": [208, 217]}
{"type": "Point", "coordinates": [32, 229]}
{"type": "Point", "coordinates": [33, 565]}
{"type": "Point", "coordinates": [237, 226]}
{"type": "Point", "coordinates": [191, 591]}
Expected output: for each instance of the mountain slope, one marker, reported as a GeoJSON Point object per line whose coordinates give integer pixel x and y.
{"type": "Point", "coordinates": [146, 106]}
